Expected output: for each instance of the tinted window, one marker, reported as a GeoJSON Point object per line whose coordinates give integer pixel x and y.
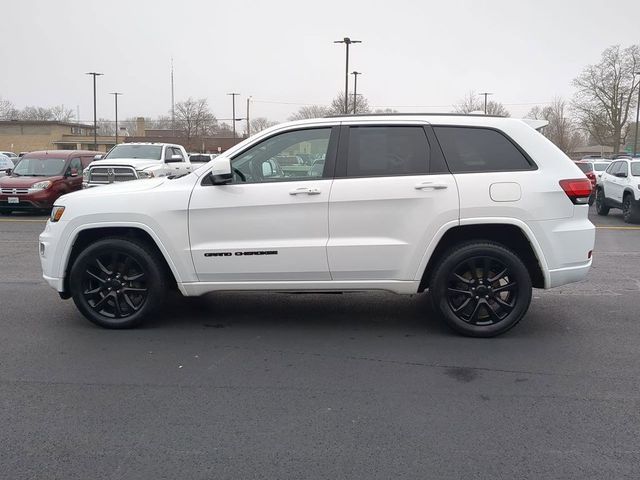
{"type": "Point", "coordinates": [149, 152]}
{"type": "Point", "coordinates": [615, 168]}
{"type": "Point", "coordinates": [623, 168]}
{"type": "Point", "coordinates": [76, 164]}
{"type": "Point", "coordinates": [635, 169]}
{"type": "Point", "coordinates": [479, 150]}
{"type": "Point", "coordinates": [600, 167]}
{"type": "Point", "coordinates": [278, 158]}
{"type": "Point", "coordinates": [585, 167]}
{"type": "Point", "coordinates": [375, 151]}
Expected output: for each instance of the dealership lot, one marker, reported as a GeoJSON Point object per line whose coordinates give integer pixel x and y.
{"type": "Point", "coordinates": [236, 385]}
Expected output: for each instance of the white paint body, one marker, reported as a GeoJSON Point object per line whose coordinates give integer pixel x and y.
{"type": "Point", "coordinates": [350, 234]}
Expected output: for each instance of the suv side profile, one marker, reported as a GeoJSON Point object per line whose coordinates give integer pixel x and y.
{"type": "Point", "coordinates": [477, 210]}
{"type": "Point", "coordinates": [619, 187]}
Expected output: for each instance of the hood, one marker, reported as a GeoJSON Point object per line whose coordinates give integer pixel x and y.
{"type": "Point", "coordinates": [137, 163]}
{"type": "Point", "coordinates": [117, 188]}
{"type": "Point", "coordinates": [24, 181]}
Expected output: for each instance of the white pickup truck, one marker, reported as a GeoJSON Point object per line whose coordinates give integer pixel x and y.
{"type": "Point", "coordinates": [132, 161]}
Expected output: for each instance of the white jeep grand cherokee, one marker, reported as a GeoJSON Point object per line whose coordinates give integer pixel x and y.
{"type": "Point", "coordinates": [475, 209]}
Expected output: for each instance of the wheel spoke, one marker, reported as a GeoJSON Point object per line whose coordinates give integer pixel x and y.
{"type": "Point", "coordinates": [492, 311]}
{"type": "Point", "coordinates": [95, 276]}
{"type": "Point", "coordinates": [131, 278]}
{"type": "Point", "coordinates": [476, 310]}
{"type": "Point", "coordinates": [471, 263]}
{"type": "Point", "coordinates": [497, 276]}
{"type": "Point", "coordinates": [507, 287]}
{"type": "Point", "coordinates": [129, 302]}
{"type": "Point", "coordinates": [93, 291]}
{"type": "Point", "coordinates": [132, 289]}
{"type": "Point", "coordinates": [486, 268]}
{"type": "Point", "coordinates": [114, 261]}
{"type": "Point", "coordinates": [504, 304]}
{"type": "Point", "coordinates": [102, 267]}
{"type": "Point", "coordinates": [462, 279]}
{"type": "Point", "coordinates": [102, 300]}
{"type": "Point", "coordinates": [462, 306]}
{"type": "Point", "coordinates": [457, 291]}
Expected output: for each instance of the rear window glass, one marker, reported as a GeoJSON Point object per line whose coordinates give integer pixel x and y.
{"type": "Point", "coordinates": [600, 167]}
{"type": "Point", "coordinates": [479, 150]}
{"type": "Point", "coordinates": [585, 167]}
{"type": "Point", "coordinates": [635, 169]}
{"type": "Point", "coordinates": [383, 150]}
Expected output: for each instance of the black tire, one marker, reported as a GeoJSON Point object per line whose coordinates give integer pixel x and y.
{"type": "Point", "coordinates": [117, 283]}
{"type": "Point", "coordinates": [601, 208]}
{"type": "Point", "coordinates": [592, 198]}
{"type": "Point", "coordinates": [630, 210]}
{"type": "Point", "coordinates": [481, 288]}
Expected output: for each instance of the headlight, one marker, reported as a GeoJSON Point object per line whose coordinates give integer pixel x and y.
{"type": "Point", "coordinates": [40, 185]}
{"type": "Point", "coordinates": [85, 175]}
{"type": "Point", "coordinates": [143, 174]}
{"type": "Point", "coordinates": [56, 213]}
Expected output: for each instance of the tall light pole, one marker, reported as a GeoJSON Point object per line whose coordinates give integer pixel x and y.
{"type": "Point", "coordinates": [173, 105]}
{"type": "Point", "coordinates": [115, 97]}
{"type": "Point", "coordinates": [233, 105]}
{"type": "Point", "coordinates": [95, 118]}
{"type": "Point", "coordinates": [486, 94]}
{"type": "Point", "coordinates": [355, 90]}
{"type": "Point", "coordinates": [248, 124]}
{"type": "Point", "coordinates": [635, 140]}
{"type": "Point", "coordinates": [347, 41]}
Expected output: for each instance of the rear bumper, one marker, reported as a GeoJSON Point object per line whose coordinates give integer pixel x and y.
{"type": "Point", "coordinates": [562, 276]}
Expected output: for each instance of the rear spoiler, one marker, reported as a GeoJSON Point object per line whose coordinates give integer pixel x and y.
{"type": "Point", "coordinates": [535, 124]}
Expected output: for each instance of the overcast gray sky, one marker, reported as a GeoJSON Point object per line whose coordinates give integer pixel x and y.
{"type": "Point", "coordinates": [415, 55]}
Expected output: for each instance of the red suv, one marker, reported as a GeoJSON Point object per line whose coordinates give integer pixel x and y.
{"type": "Point", "coordinates": [40, 178]}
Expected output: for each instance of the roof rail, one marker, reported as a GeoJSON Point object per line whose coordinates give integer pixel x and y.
{"type": "Point", "coordinates": [439, 114]}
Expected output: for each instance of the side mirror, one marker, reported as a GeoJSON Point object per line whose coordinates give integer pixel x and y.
{"type": "Point", "coordinates": [220, 174]}
{"type": "Point", "coordinates": [8, 171]}
{"type": "Point", "coordinates": [98, 157]}
{"type": "Point", "coordinates": [174, 159]}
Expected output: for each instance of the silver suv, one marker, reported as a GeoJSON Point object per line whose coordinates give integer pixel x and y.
{"type": "Point", "coordinates": [619, 187]}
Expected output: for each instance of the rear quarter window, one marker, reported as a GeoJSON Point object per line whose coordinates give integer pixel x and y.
{"type": "Point", "coordinates": [585, 167]}
{"type": "Point", "coordinates": [473, 149]}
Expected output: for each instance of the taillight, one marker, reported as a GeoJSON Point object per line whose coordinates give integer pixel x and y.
{"type": "Point", "coordinates": [591, 176]}
{"type": "Point", "coordinates": [578, 190]}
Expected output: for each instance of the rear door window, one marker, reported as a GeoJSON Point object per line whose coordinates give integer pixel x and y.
{"type": "Point", "coordinates": [472, 149]}
{"type": "Point", "coordinates": [585, 167]}
{"type": "Point", "coordinates": [387, 151]}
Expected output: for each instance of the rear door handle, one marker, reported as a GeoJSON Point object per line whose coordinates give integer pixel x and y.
{"type": "Point", "coordinates": [431, 185]}
{"type": "Point", "coordinates": [308, 191]}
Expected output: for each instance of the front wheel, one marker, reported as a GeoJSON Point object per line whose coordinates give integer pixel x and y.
{"type": "Point", "coordinates": [481, 289]}
{"type": "Point", "coordinates": [116, 283]}
{"type": "Point", "coordinates": [601, 208]}
{"type": "Point", "coordinates": [630, 210]}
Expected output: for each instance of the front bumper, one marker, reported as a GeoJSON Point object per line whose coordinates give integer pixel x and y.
{"type": "Point", "coordinates": [32, 201]}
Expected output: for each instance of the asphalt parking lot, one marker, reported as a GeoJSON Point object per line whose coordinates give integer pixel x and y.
{"type": "Point", "coordinates": [233, 386]}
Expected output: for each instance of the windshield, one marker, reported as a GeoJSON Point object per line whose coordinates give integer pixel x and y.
{"type": "Point", "coordinates": [39, 167]}
{"type": "Point", "coordinates": [635, 169]}
{"type": "Point", "coordinates": [148, 152]}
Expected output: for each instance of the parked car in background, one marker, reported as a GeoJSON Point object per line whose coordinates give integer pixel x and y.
{"type": "Point", "coordinates": [6, 165]}
{"type": "Point", "coordinates": [11, 155]}
{"type": "Point", "coordinates": [619, 187]}
{"type": "Point", "coordinates": [593, 169]}
{"type": "Point", "coordinates": [475, 209]}
{"type": "Point", "coordinates": [40, 178]}
{"type": "Point", "coordinates": [133, 161]}
{"type": "Point", "coordinates": [199, 159]}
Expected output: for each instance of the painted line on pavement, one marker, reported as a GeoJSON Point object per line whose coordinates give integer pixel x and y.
{"type": "Point", "coordinates": [607, 227]}
{"type": "Point", "coordinates": [23, 220]}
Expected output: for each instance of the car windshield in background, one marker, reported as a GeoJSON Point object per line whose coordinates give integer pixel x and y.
{"type": "Point", "coordinates": [585, 167]}
{"type": "Point", "coordinates": [39, 167]}
{"type": "Point", "coordinates": [199, 158]}
{"type": "Point", "coordinates": [635, 169]}
{"type": "Point", "coordinates": [149, 152]}
{"type": "Point", "coordinates": [600, 167]}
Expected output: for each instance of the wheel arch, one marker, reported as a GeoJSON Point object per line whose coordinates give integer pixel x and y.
{"type": "Point", "coordinates": [85, 236]}
{"type": "Point", "coordinates": [515, 236]}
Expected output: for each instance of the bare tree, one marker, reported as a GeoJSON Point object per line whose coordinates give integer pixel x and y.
{"type": "Point", "coordinates": [194, 119]}
{"type": "Point", "coordinates": [106, 127]}
{"type": "Point", "coordinates": [337, 104]}
{"type": "Point", "coordinates": [385, 110]}
{"type": "Point", "coordinates": [36, 113]}
{"type": "Point", "coordinates": [260, 123]}
{"type": "Point", "coordinates": [310, 111]}
{"type": "Point", "coordinates": [61, 114]}
{"type": "Point", "coordinates": [224, 130]}
{"type": "Point", "coordinates": [561, 129]}
{"type": "Point", "coordinates": [605, 95]}
{"type": "Point", "coordinates": [7, 110]}
{"type": "Point", "coordinates": [472, 102]}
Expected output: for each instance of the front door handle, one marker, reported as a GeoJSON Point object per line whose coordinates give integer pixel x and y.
{"type": "Point", "coordinates": [431, 185]}
{"type": "Point", "coordinates": [308, 191]}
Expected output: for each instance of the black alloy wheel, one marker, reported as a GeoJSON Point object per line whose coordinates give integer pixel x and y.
{"type": "Point", "coordinates": [481, 288]}
{"type": "Point", "coordinates": [601, 208]}
{"type": "Point", "coordinates": [116, 283]}
{"type": "Point", "coordinates": [482, 291]}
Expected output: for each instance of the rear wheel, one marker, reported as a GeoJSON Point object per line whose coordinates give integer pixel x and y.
{"type": "Point", "coordinates": [601, 208]}
{"type": "Point", "coordinates": [116, 283]}
{"type": "Point", "coordinates": [630, 210]}
{"type": "Point", "coordinates": [481, 289]}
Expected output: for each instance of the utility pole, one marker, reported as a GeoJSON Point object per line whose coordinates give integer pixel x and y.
{"type": "Point", "coordinates": [486, 94]}
{"type": "Point", "coordinates": [347, 41]}
{"type": "Point", "coordinates": [95, 118]}
{"type": "Point", "coordinates": [248, 124]}
{"type": "Point", "coordinates": [173, 105]}
{"type": "Point", "coordinates": [233, 106]}
{"type": "Point", "coordinates": [115, 96]}
{"type": "Point", "coordinates": [635, 140]}
{"type": "Point", "coordinates": [355, 90]}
